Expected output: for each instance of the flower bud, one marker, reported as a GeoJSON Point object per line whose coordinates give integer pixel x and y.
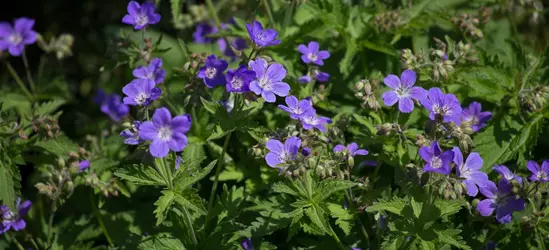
{"type": "Point", "coordinates": [384, 129]}
{"type": "Point", "coordinates": [351, 161]}
{"type": "Point", "coordinates": [475, 202]}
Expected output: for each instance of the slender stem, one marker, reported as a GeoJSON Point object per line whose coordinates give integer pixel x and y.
{"type": "Point", "coordinates": [50, 223]}
{"type": "Point", "coordinates": [269, 11]}
{"type": "Point", "coordinates": [19, 246]}
{"type": "Point", "coordinates": [213, 13]}
{"type": "Point", "coordinates": [27, 68]}
{"type": "Point", "coordinates": [217, 172]}
{"type": "Point", "coordinates": [19, 82]}
{"type": "Point", "coordinates": [334, 235]}
{"type": "Point", "coordinates": [168, 170]}
{"type": "Point", "coordinates": [99, 219]}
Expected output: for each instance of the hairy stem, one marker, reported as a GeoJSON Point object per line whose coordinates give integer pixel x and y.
{"type": "Point", "coordinates": [19, 82]}
{"type": "Point", "coordinates": [27, 69]}
{"type": "Point", "coordinates": [99, 219]}
{"type": "Point", "coordinates": [269, 11]}
{"type": "Point", "coordinates": [217, 172]}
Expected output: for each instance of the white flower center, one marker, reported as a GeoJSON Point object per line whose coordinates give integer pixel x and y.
{"type": "Point", "coordinates": [312, 56]}
{"type": "Point", "coordinates": [165, 133]}
{"type": "Point", "coordinates": [311, 120]}
{"type": "Point", "coordinates": [260, 36]}
{"type": "Point", "coordinates": [542, 175]}
{"type": "Point", "coordinates": [15, 38]}
{"type": "Point", "coordinates": [237, 83]}
{"type": "Point", "coordinates": [142, 97]}
{"type": "Point", "coordinates": [8, 215]}
{"type": "Point", "coordinates": [465, 172]}
{"type": "Point", "coordinates": [402, 92]}
{"type": "Point", "coordinates": [211, 72]}
{"type": "Point", "coordinates": [150, 75]}
{"type": "Point", "coordinates": [142, 20]}
{"type": "Point", "coordinates": [436, 162]}
{"type": "Point", "coordinates": [265, 83]}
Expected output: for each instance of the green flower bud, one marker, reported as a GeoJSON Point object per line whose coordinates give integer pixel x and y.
{"type": "Point", "coordinates": [351, 161]}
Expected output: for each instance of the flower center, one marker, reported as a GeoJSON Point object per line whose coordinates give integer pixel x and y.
{"type": "Point", "coordinates": [237, 83]}
{"type": "Point", "coordinates": [265, 83]}
{"type": "Point", "coordinates": [15, 38]}
{"type": "Point", "coordinates": [165, 133]}
{"type": "Point", "coordinates": [402, 92]}
{"type": "Point", "coordinates": [436, 163]}
{"type": "Point", "coordinates": [141, 98]}
{"type": "Point", "coordinates": [311, 120]}
{"type": "Point", "coordinates": [211, 72]}
{"type": "Point", "coordinates": [142, 20]}
{"type": "Point", "coordinates": [465, 172]}
{"type": "Point", "coordinates": [8, 215]}
{"type": "Point", "coordinates": [542, 175]}
{"type": "Point", "coordinates": [260, 36]}
{"type": "Point", "coordinates": [312, 56]}
{"type": "Point", "coordinates": [150, 75]}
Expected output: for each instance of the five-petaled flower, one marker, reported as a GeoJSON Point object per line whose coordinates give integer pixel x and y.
{"type": "Point", "coordinates": [14, 38]}
{"type": "Point", "coordinates": [140, 92]}
{"type": "Point", "coordinates": [311, 53]}
{"type": "Point", "coordinates": [540, 174]}
{"type": "Point", "coordinates": [475, 117]}
{"type": "Point", "coordinates": [269, 80]}
{"type": "Point", "coordinates": [352, 149]}
{"type": "Point", "coordinates": [239, 80]}
{"type": "Point", "coordinates": [165, 133]}
{"type": "Point", "coordinates": [297, 108]}
{"type": "Point", "coordinates": [507, 175]}
{"type": "Point", "coordinates": [436, 160]}
{"type": "Point", "coordinates": [11, 220]}
{"type": "Point", "coordinates": [501, 199]}
{"type": "Point", "coordinates": [470, 171]}
{"type": "Point", "coordinates": [282, 153]}
{"type": "Point", "coordinates": [83, 165]}
{"type": "Point", "coordinates": [260, 36]}
{"type": "Point", "coordinates": [153, 72]}
{"type": "Point", "coordinates": [443, 105]}
{"type": "Point", "coordinates": [403, 91]}
{"type": "Point", "coordinates": [212, 72]}
{"type": "Point", "coordinates": [111, 104]}
{"type": "Point", "coordinates": [140, 16]}
{"type": "Point", "coordinates": [310, 120]}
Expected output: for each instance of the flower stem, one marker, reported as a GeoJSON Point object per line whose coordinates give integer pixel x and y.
{"type": "Point", "coordinates": [213, 13]}
{"type": "Point", "coordinates": [50, 223]}
{"type": "Point", "coordinates": [269, 12]}
{"type": "Point", "coordinates": [217, 172]}
{"type": "Point", "coordinates": [27, 69]}
{"type": "Point", "coordinates": [99, 219]}
{"type": "Point", "coordinates": [19, 82]}
{"type": "Point", "coordinates": [19, 246]}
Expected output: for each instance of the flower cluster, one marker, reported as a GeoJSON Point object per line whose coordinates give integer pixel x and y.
{"type": "Point", "coordinates": [305, 112]}
{"type": "Point", "coordinates": [311, 54]}
{"type": "Point", "coordinates": [142, 90]}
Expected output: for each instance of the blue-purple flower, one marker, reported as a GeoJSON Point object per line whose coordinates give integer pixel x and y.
{"type": "Point", "coordinates": [202, 31]}
{"type": "Point", "coordinates": [239, 80]}
{"type": "Point", "coordinates": [14, 38]}
{"type": "Point", "coordinates": [470, 171]}
{"type": "Point", "coordinates": [282, 153]}
{"type": "Point", "coordinates": [403, 91]}
{"type": "Point", "coordinates": [310, 120]}
{"type": "Point", "coordinates": [507, 175]}
{"type": "Point", "coordinates": [131, 136]}
{"type": "Point", "coordinates": [165, 133]}
{"type": "Point", "coordinates": [311, 53]}
{"type": "Point", "coordinates": [352, 149]}
{"type": "Point", "coordinates": [153, 72]}
{"type": "Point", "coordinates": [212, 72]}
{"type": "Point", "coordinates": [436, 160]}
{"type": "Point", "coordinates": [140, 16]}
{"type": "Point", "coordinates": [473, 115]}
{"type": "Point", "coordinates": [178, 161]}
{"type": "Point", "coordinates": [247, 244]}
{"type": "Point", "coordinates": [141, 92]}
{"type": "Point", "coordinates": [306, 151]}
{"type": "Point", "coordinates": [83, 165]}
{"type": "Point", "coordinates": [269, 80]}
{"type": "Point", "coordinates": [317, 75]}
{"type": "Point", "coordinates": [499, 199]}
{"type": "Point", "coordinates": [540, 174]}
{"type": "Point", "coordinates": [297, 108]}
{"type": "Point", "coordinates": [11, 220]}
{"type": "Point", "coordinates": [260, 36]}
{"type": "Point", "coordinates": [444, 105]}
{"type": "Point", "coordinates": [111, 104]}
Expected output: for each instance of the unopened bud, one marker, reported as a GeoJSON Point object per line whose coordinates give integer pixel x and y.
{"type": "Point", "coordinates": [475, 202]}
{"type": "Point", "coordinates": [351, 161]}
{"type": "Point", "coordinates": [384, 129]}
{"type": "Point", "coordinates": [61, 162]}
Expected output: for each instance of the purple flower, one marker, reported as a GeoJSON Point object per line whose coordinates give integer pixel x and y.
{"type": "Point", "coordinates": [165, 133]}
{"type": "Point", "coordinates": [178, 161]}
{"type": "Point", "coordinates": [140, 92]}
{"type": "Point", "coordinates": [306, 151]}
{"type": "Point", "coordinates": [212, 72]}
{"type": "Point", "coordinates": [111, 105]}
{"type": "Point", "coordinates": [305, 79]}
{"type": "Point", "coordinates": [445, 105]}
{"type": "Point", "coordinates": [83, 165]}
{"type": "Point", "coordinates": [317, 75]}
{"type": "Point", "coordinates": [269, 80]}
{"type": "Point", "coordinates": [470, 170]}
{"type": "Point", "coordinates": [247, 244]}
{"type": "Point", "coordinates": [131, 137]}
{"type": "Point", "coordinates": [282, 153]}
{"type": "Point", "coordinates": [202, 31]}
{"type": "Point", "coordinates": [437, 161]}
{"type": "Point", "coordinates": [239, 80]}
{"type": "Point", "coordinates": [11, 220]}
{"type": "Point", "coordinates": [237, 43]}
{"type": "Point", "coordinates": [297, 108]}
{"type": "Point", "coordinates": [403, 91]}
{"type": "Point", "coordinates": [153, 72]}
{"type": "Point", "coordinates": [539, 174]}
{"type": "Point", "coordinates": [351, 148]}
{"type": "Point", "coordinates": [14, 38]}
{"type": "Point", "coordinates": [473, 115]}
{"type": "Point", "coordinates": [260, 36]}
{"type": "Point", "coordinates": [502, 200]}
{"type": "Point", "coordinates": [311, 53]}
{"type": "Point", "coordinates": [141, 15]}
{"type": "Point", "coordinates": [310, 120]}
{"type": "Point", "coordinates": [507, 175]}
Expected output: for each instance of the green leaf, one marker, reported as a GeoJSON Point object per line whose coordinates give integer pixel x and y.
{"type": "Point", "coordinates": [328, 187]}
{"type": "Point", "coordinates": [486, 83]}
{"type": "Point", "coordinates": [218, 133]}
{"type": "Point", "coordinates": [210, 106]}
{"type": "Point", "coordinates": [161, 241]}
{"type": "Point", "coordinates": [417, 206]}
{"type": "Point", "coordinates": [9, 184]}
{"type": "Point", "coordinates": [316, 215]}
{"type": "Point", "coordinates": [451, 236]}
{"type": "Point", "coordinates": [380, 47]}
{"type": "Point", "coordinates": [343, 218]}
{"type": "Point", "coordinates": [191, 201]}
{"type": "Point", "coordinates": [395, 205]}
{"type": "Point", "coordinates": [282, 188]}
{"type": "Point", "coordinates": [141, 175]}
{"type": "Point", "coordinates": [61, 146]}
{"type": "Point", "coordinates": [184, 182]}
{"type": "Point", "coordinates": [449, 207]}
{"type": "Point", "coordinates": [48, 107]}
{"type": "Point", "coordinates": [163, 206]}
